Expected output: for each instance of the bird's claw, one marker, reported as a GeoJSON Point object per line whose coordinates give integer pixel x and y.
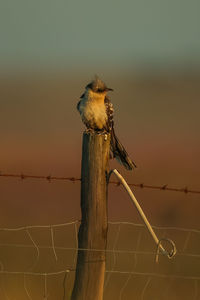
{"type": "Point", "coordinates": [89, 130]}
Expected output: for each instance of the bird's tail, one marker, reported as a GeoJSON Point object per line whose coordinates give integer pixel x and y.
{"type": "Point", "coordinates": [120, 153]}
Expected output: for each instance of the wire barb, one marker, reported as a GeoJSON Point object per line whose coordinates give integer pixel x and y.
{"type": "Point", "coordinates": [48, 178]}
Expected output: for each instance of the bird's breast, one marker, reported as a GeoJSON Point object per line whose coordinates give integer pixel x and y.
{"type": "Point", "coordinates": [93, 113]}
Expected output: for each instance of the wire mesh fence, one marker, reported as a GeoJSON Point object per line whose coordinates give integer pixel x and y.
{"type": "Point", "coordinates": [39, 261]}
{"type": "Point", "coordinates": [45, 260]}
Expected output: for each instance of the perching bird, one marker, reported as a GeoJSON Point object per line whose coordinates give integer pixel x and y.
{"type": "Point", "coordinates": [96, 111]}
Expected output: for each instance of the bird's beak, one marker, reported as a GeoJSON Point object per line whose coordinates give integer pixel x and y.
{"type": "Point", "coordinates": [108, 89]}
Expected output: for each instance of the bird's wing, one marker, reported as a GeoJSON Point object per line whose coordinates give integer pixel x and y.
{"type": "Point", "coordinates": [117, 149]}
{"type": "Point", "coordinates": [78, 104]}
{"type": "Point", "coordinates": [110, 114]}
{"type": "Point", "coordinates": [82, 96]}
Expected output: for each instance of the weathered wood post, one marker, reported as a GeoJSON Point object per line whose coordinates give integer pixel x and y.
{"type": "Point", "coordinates": [90, 268]}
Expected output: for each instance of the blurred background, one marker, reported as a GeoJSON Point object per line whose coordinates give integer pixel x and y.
{"type": "Point", "coordinates": [149, 53]}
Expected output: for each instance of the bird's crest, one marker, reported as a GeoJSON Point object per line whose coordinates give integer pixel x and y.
{"type": "Point", "coordinates": [97, 85]}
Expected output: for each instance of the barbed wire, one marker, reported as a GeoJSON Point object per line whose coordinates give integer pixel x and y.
{"type": "Point", "coordinates": [113, 251]}
{"type": "Point", "coordinates": [50, 178]}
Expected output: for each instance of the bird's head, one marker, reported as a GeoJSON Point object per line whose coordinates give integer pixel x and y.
{"type": "Point", "coordinates": [98, 86]}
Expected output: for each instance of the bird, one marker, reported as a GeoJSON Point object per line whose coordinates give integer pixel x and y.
{"type": "Point", "coordinates": [96, 110]}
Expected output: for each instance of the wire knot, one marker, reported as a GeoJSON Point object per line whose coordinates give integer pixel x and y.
{"type": "Point", "coordinates": [170, 254]}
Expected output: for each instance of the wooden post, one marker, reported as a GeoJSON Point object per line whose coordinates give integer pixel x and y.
{"type": "Point", "coordinates": [90, 268]}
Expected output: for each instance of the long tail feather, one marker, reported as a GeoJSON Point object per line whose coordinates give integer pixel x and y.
{"type": "Point", "coordinates": [120, 153]}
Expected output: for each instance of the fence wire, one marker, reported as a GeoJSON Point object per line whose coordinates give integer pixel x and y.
{"type": "Point", "coordinates": [50, 178]}
{"type": "Point", "coordinates": [131, 271]}
{"type": "Point", "coordinates": [131, 261]}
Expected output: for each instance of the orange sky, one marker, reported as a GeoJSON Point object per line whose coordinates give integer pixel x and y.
{"type": "Point", "coordinates": [156, 118]}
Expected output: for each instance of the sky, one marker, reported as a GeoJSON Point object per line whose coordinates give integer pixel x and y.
{"type": "Point", "coordinates": [76, 34]}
